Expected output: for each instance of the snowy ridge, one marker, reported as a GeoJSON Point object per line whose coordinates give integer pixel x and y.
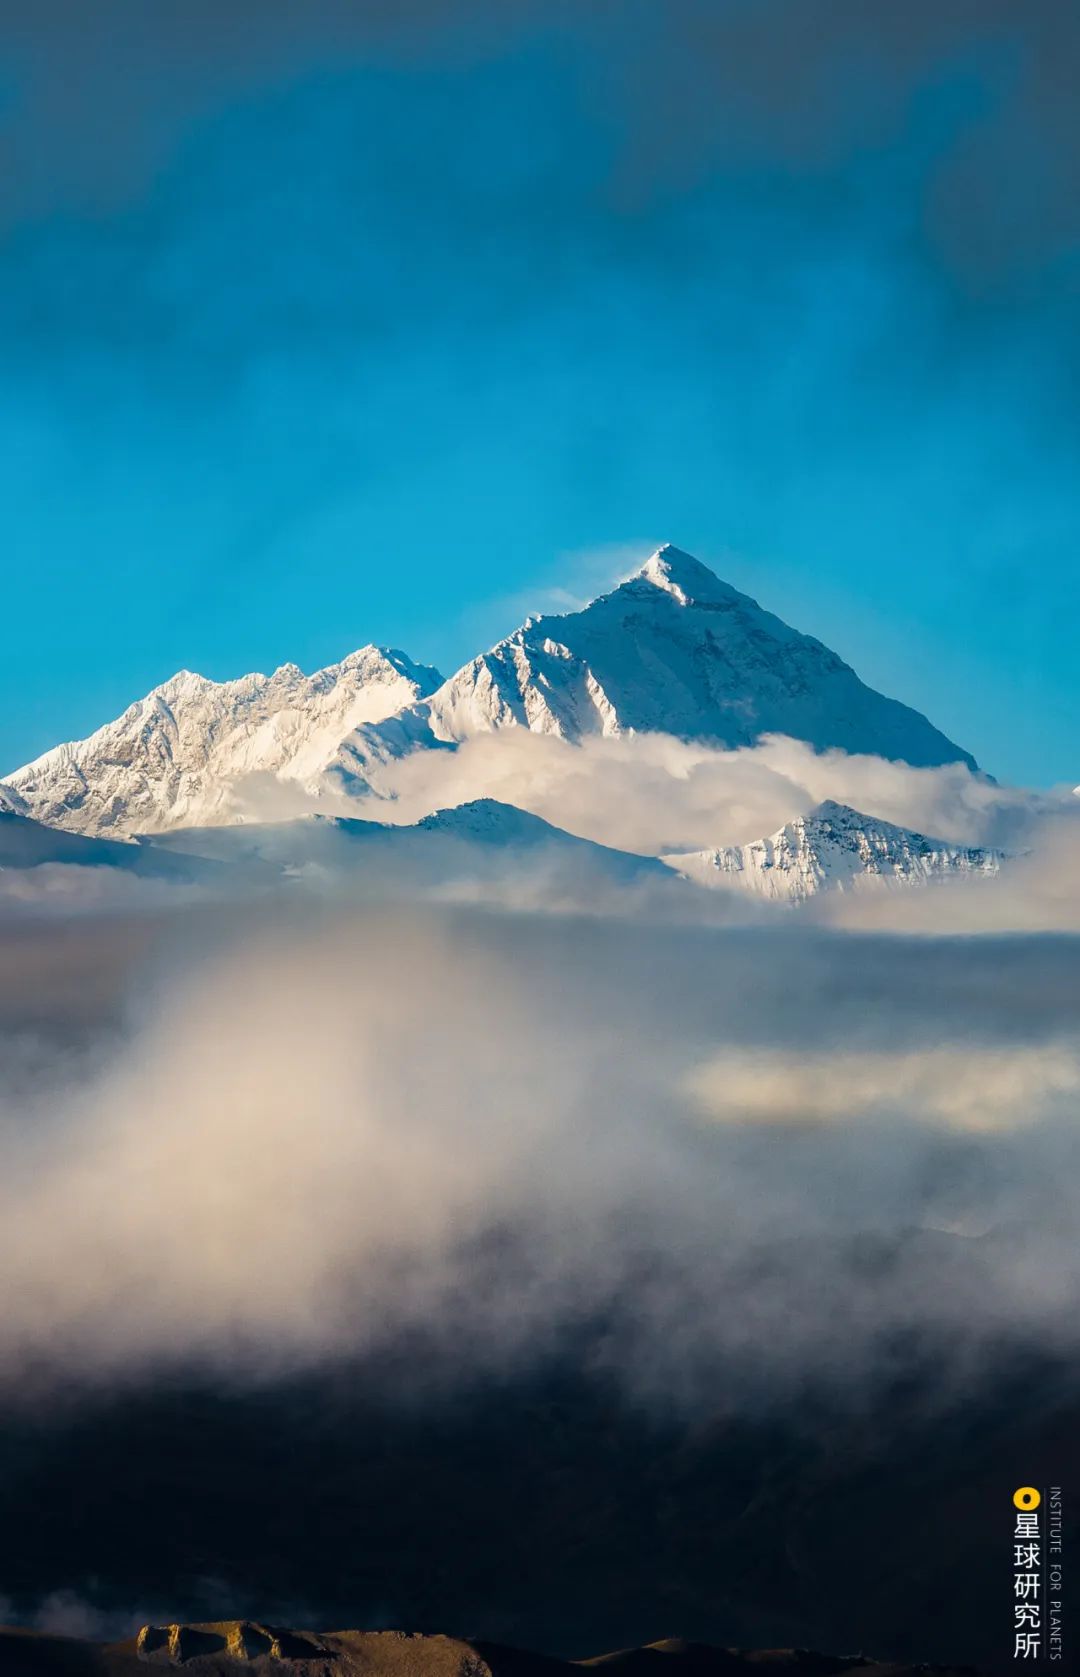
{"type": "Point", "coordinates": [834, 848]}
{"type": "Point", "coordinates": [173, 758]}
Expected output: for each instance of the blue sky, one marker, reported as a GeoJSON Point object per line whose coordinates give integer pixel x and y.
{"type": "Point", "coordinates": [392, 323]}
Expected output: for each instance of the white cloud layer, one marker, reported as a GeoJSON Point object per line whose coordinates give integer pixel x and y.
{"type": "Point", "coordinates": [650, 793]}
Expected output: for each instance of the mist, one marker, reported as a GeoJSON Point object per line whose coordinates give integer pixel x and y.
{"type": "Point", "coordinates": [291, 1133]}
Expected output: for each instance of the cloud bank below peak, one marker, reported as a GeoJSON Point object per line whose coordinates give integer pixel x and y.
{"type": "Point", "coordinates": [314, 1131]}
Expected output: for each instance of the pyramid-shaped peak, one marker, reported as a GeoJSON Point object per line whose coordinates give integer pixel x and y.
{"type": "Point", "coordinates": [829, 810]}
{"type": "Point", "coordinates": [683, 576]}
{"type": "Point", "coordinates": [849, 819]}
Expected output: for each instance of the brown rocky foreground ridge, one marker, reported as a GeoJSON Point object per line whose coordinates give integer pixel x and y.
{"type": "Point", "coordinates": [229, 1647]}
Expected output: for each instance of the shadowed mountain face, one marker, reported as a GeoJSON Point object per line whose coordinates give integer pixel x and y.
{"type": "Point", "coordinates": [29, 844]}
{"type": "Point", "coordinates": [441, 842]}
{"type": "Point", "coordinates": [221, 1648]}
{"type": "Point", "coordinates": [547, 1511]}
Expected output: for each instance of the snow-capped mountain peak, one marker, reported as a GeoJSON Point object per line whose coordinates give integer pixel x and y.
{"type": "Point", "coordinates": [833, 848]}
{"type": "Point", "coordinates": [682, 576]}
{"type": "Point", "coordinates": [673, 649]}
{"type": "Point", "coordinates": [174, 757]}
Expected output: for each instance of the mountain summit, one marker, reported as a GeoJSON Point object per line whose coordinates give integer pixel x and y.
{"type": "Point", "coordinates": [673, 650]}
{"type": "Point", "coordinates": [834, 848]}
{"type": "Point", "coordinates": [682, 576]}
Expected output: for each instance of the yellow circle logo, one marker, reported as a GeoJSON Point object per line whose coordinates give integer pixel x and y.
{"type": "Point", "coordinates": [1027, 1498]}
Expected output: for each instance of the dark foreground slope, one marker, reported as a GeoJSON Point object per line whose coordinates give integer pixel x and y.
{"type": "Point", "coordinates": [547, 1509]}
{"type": "Point", "coordinates": [226, 1648]}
